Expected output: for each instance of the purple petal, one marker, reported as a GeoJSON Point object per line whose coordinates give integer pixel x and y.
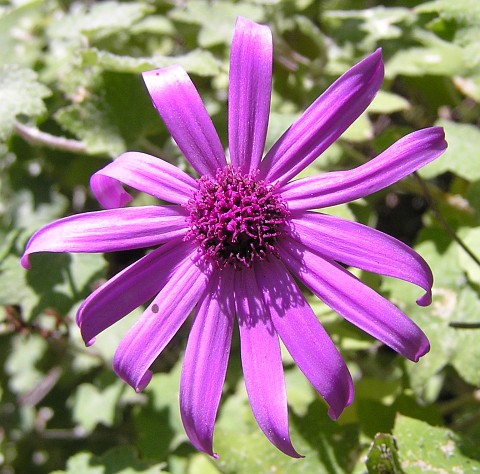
{"type": "Point", "coordinates": [131, 288]}
{"type": "Point", "coordinates": [206, 358]}
{"type": "Point", "coordinates": [262, 362]}
{"type": "Point", "coordinates": [404, 157]}
{"type": "Point", "coordinates": [249, 93]}
{"type": "Point", "coordinates": [142, 172]}
{"type": "Point", "coordinates": [109, 231]}
{"type": "Point", "coordinates": [360, 246]}
{"type": "Point", "coordinates": [178, 103]}
{"type": "Point", "coordinates": [355, 301]}
{"type": "Point", "coordinates": [159, 323]}
{"type": "Point", "coordinates": [324, 121]}
{"type": "Point", "coordinates": [304, 337]}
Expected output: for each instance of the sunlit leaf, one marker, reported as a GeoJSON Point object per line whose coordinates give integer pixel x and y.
{"type": "Point", "coordinates": [20, 93]}
{"type": "Point", "coordinates": [424, 448]}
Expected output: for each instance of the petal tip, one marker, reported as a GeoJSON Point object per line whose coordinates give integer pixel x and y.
{"type": "Point", "coordinates": [24, 261]}
{"type": "Point", "coordinates": [90, 342]}
{"type": "Point", "coordinates": [425, 300]}
{"type": "Point", "coordinates": [144, 381]}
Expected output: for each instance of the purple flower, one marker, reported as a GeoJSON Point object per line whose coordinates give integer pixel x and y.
{"type": "Point", "coordinates": [232, 241]}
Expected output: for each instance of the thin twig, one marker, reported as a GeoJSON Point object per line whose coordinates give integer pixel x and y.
{"type": "Point", "coordinates": [461, 325]}
{"type": "Point", "coordinates": [438, 215]}
{"type": "Point", "coordinates": [36, 137]}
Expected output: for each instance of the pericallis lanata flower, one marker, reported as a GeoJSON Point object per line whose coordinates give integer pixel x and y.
{"type": "Point", "coordinates": [231, 242]}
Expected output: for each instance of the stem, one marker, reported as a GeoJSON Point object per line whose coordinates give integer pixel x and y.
{"type": "Point", "coordinates": [436, 212]}
{"type": "Point", "coordinates": [460, 325]}
{"type": "Point", "coordinates": [36, 137]}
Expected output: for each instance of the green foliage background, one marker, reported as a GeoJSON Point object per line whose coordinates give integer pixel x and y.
{"type": "Point", "coordinates": [71, 99]}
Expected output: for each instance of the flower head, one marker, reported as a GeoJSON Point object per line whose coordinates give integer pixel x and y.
{"type": "Point", "coordinates": [232, 242]}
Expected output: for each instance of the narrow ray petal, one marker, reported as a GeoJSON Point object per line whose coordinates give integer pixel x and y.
{"type": "Point", "coordinates": [131, 288]}
{"type": "Point", "coordinates": [355, 301]}
{"type": "Point", "coordinates": [206, 358]}
{"type": "Point", "coordinates": [262, 363]}
{"type": "Point", "coordinates": [401, 159]}
{"type": "Point", "coordinates": [109, 231]}
{"type": "Point", "coordinates": [142, 172]}
{"type": "Point", "coordinates": [159, 323]}
{"type": "Point", "coordinates": [178, 103]}
{"type": "Point", "coordinates": [249, 93]}
{"type": "Point", "coordinates": [304, 337]}
{"type": "Point", "coordinates": [360, 246]}
{"type": "Point", "coordinates": [324, 121]}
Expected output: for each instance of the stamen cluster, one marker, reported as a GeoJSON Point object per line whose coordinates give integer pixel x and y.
{"type": "Point", "coordinates": [236, 219]}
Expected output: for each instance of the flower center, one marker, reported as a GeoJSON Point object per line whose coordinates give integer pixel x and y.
{"type": "Point", "coordinates": [236, 219]}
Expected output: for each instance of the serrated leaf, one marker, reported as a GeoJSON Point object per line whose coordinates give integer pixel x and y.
{"type": "Point", "coordinates": [216, 20]}
{"type": "Point", "coordinates": [378, 23]}
{"type": "Point", "coordinates": [121, 460]}
{"type": "Point", "coordinates": [462, 155]}
{"type": "Point", "coordinates": [20, 93]}
{"type": "Point", "coordinates": [426, 449]}
{"type": "Point", "coordinates": [198, 62]}
{"type": "Point", "coordinates": [94, 126]}
{"type": "Point", "coordinates": [98, 19]}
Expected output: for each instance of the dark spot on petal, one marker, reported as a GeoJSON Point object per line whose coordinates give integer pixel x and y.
{"type": "Point", "coordinates": [154, 308]}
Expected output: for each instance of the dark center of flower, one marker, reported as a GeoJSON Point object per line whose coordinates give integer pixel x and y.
{"type": "Point", "coordinates": [236, 219]}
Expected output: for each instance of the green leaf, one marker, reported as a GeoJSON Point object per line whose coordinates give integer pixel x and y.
{"type": "Point", "coordinates": [198, 62]}
{"type": "Point", "coordinates": [20, 93]}
{"type": "Point", "coordinates": [66, 281]}
{"type": "Point", "coordinates": [201, 464]}
{"type": "Point", "coordinates": [469, 85]}
{"type": "Point", "coordinates": [91, 122]}
{"type": "Point", "coordinates": [382, 457]}
{"type": "Point", "coordinates": [449, 346]}
{"type": "Point", "coordinates": [216, 20]}
{"type": "Point", "coordinates": [444, 59]}
{"type": "Point", "coordinates": [462, 155]}
{"type": "Point", "coordinates": [453, 301]}
{"type": "Point", "coordinates": [388, 103]}
{"type": "Point", "coordinates": [463, 11]}
{"type": "Point", "coordinates": [92, 406]}
{"type": "Point", "coordinates": [159, 425]}
{"type": "Point", "coordinates": [426, 449]}
{"type": "Point", "coordinates": [121, 460]}
{"type": "Point", "coordinates": [98, 19]}
{"type": "Point", "coordinates": [361, 130]}
{"type": "Point", "coordinates": [20, 42]}
{"type": "Point", "coordinates": [21, 365]}
{"type": "Point", "coordinates": [243, 448]}
{"type": "Point", "coordinates": [471, 238]}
